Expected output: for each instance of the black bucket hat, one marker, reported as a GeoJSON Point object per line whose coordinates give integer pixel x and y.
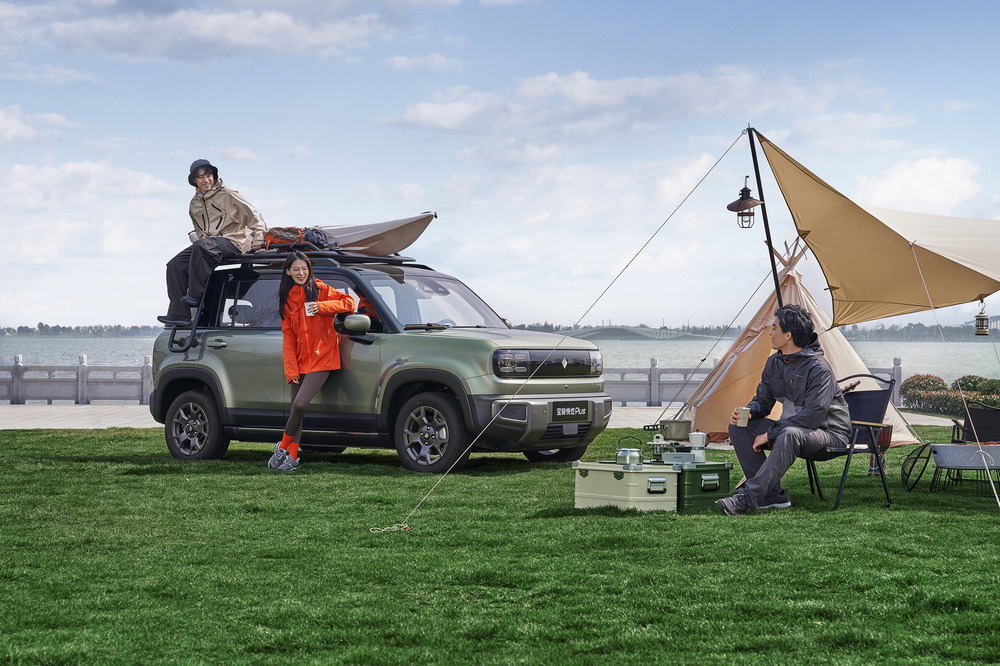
{"type": "Point", "coordinates": [202, 164]}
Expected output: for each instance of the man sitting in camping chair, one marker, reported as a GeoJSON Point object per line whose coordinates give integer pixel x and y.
{"type": "Point", "coordinates": [800, 375]}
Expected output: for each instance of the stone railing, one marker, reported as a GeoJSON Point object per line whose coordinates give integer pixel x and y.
{"type": "Point", "coordinates": [81, 383]}
{"type": "Point", "coordinates": [655, 386]}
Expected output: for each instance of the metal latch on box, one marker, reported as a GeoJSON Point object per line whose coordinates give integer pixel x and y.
{"type": "Point", "coordinates": [709, 481]}
{"type": "Point", "coordinates": [656, 485]}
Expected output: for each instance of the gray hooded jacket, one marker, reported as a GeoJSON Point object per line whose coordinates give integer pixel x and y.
{"type": "Point", "coordinates": [805, 379]}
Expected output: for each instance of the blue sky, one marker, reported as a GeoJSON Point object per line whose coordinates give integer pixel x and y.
{"type": "Point", "coordinates": [553, 138]}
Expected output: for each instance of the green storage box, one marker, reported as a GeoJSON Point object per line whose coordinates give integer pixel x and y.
{"type": "Point", "coordinates": [700, 484]}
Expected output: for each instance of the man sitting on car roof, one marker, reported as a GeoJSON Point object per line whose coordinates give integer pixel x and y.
{"type": "Point", "coordinates": [226, 226]}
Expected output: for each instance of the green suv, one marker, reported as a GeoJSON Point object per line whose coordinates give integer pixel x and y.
{"type": "Point", "coordinates": [432, 371]}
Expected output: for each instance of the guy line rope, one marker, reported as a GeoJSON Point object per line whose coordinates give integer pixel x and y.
{"type": "Point", "coordinates": [404, 525]}
{"type": "Point", "coordinates": [986, 457]}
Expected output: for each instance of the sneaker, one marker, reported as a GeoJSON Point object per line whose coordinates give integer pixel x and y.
{"type": "Point", "coordinates": [735, 504]}
{"type": "Point", "coordinates": [787, 504]}
{"type": "Point", "coordinates": [289, 464]}
{"type": "Point", "coordinates": [189, 300]}
{"type": "Point", "coordinates": [279, 456]}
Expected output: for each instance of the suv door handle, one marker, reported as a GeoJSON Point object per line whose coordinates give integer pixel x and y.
{"type": "Point", "coordinates": [217, 343]}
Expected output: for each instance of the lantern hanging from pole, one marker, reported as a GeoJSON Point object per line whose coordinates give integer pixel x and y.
{"type": "Point", "coordinates": [743, 207]}
{"type": "Point", "coordinates": [982, 321]}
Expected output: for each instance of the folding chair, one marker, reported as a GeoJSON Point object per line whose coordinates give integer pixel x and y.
{"type": "Point", "coordinates": [867, 410]}
{"type": "Point", "coordinates": [982, 424]}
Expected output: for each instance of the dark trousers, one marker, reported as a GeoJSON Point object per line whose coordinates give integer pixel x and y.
{"type": "Point", "coordinates": [302, 394]}
{"type": "Point", "coordinates": [764, 472]}
{"type": "Point", "coordinates": [188, 272]}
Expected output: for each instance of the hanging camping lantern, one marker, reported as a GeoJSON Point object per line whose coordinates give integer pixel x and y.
{"type": "Point", "coordinates": [743, 207]}
{"type": "Point", "coordinates": [982, 321]}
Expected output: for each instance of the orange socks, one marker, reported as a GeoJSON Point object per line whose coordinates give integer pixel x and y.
{"type": "Point", "coordinates": [288, 445]}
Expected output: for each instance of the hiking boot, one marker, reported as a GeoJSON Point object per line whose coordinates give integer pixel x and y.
{"type": "Point", "coordinates": [289, 464]}
{"type": "Point", "coordinates": [735, 504]}
{"type": "Point", "coordinates": [279, 456]}
{"type": "Point", "coordinates": [171, 320]}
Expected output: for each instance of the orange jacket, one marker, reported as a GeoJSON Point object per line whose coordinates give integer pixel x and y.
{"type": "Point", "coordinates": [310, 344]}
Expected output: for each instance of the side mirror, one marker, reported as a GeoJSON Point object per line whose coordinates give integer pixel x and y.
{"type": "Point", "coordinates": [352, 323]}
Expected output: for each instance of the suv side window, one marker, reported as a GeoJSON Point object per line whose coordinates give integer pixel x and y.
{"type": "Point", "coordinates": [249, 302]}
{"type": "Point", "coordinates": [361, 304]}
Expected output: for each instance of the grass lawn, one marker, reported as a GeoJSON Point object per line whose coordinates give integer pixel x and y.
{"type": "Point", "coordinates": [113, 552]}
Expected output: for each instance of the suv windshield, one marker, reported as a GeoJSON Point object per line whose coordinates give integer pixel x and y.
{"type": "Point", "coordinates": [423, 299]}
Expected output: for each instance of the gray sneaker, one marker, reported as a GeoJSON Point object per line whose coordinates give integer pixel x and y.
{"type": "Point", "coordinates": [786, 504]}
{"type": "Point", "coordinates": [278, 457]}
{"type": "Point", "coordinates": [289, 464]}
{"type": "Point", "coordinates": [735, 504]}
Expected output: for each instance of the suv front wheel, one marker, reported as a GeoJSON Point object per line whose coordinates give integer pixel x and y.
{"type": "Point", "coordinates": [430, 434]}
{"type": "Point", "coordinates": [194, 429]}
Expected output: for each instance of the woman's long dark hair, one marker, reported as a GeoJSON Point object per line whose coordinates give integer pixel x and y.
{"type": "Point", "coordinates": [312, 291]}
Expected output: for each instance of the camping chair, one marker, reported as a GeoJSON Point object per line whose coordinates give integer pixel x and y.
{"type": "Point", "coordinates": [982, 423]}
{"type": "Point", "coordinates": [867, 415]}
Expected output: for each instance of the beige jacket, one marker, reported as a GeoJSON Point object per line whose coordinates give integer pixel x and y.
{"type": "Point", "coordinates": [223, 212]}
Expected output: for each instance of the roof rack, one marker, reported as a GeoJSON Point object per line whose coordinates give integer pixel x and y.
{"type": "Point", "coordinates": [333, 257]}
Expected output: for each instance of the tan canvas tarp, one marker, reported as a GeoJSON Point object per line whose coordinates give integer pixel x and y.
{"type": "Point", "coordinates": [866, 253]}
{"type": "Point", "coordinates": [733, 381]}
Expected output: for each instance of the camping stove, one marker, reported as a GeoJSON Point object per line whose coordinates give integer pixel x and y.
{"type": "Point", "coordinates": [669, 451]}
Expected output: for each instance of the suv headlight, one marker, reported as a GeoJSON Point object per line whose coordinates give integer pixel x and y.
{"type": "Point", "coordinates": [510, 363]}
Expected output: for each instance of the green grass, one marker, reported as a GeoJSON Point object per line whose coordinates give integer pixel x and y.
{"type": "Point", "coordinates": [112, 552]}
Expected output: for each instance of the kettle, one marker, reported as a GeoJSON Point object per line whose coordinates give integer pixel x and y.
{"type": "Point", "coordinates": [629, 457]}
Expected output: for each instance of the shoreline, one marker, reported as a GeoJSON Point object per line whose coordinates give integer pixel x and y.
{"type": "Point", "coordinates": [89, 417]}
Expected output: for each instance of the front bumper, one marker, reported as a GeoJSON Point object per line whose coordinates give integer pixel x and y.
{"type": "Point", "coordinates": [524, 423]}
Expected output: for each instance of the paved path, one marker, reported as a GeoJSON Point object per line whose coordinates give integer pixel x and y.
{"type": "Point", "coordinates": [137, 416]}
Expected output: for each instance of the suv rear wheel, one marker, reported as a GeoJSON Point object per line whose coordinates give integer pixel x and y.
{"type": "Point", "coordinates": [193, 428]}
{"type": "Point", "coordinates": [430, 434]}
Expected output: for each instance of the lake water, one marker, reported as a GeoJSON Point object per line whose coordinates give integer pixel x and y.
{"type": "Point", "coordinates": [948, 362]}
{"type": "Point", "coordinates": [934, 358]}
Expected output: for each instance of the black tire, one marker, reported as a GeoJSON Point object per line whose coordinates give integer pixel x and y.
{"type": "Point", "coordinates": [556, 455]}
{"type": "Point", "coordinates": [193, 428]}
{"type": "Point", "coordinates": [430, 434]}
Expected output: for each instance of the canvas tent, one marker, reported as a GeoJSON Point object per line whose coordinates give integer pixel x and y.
{"type": "Point", "coordinates": [734, 379]}
{"type": "Point", "coordinates": [881, 263]}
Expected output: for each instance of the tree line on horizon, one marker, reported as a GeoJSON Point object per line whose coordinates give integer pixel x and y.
{"type": "Point", "coordinates": [877, 333]}
{"type": "Point", "coordinates": [97, 331]}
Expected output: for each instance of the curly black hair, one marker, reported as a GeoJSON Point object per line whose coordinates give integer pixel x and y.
{"type": "Point", "coordinates": [795, 319]}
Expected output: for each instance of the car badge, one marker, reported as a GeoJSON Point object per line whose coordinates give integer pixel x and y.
{"type": "Point", "coordinates": [565, 363]}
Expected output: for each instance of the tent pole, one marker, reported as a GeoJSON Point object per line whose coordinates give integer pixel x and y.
{"type": "Point", "coordinates": [763, 214]}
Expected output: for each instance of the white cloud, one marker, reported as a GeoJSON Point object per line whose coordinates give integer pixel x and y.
{"type": "Point", "coordinates": [44, 73]}
{"type": "Point", "coordinates": [195, 34]}
{"type": "Point", "coordinates": [18, 126]}
{"type": "Point", "coordinates": [549, 115]}
{"type": "Point", "coordinates": [429, 61]}
{"type": "Point", "coordinates": [847, 132]}
{"type": "Point", "coordinates": [234, 154]}
{"type": "Point", "coordinates": [96, 237]}
{"type": "Point", "coordinates": [929, 185]}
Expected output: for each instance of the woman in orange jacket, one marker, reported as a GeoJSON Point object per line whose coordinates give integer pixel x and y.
{"type": "Point", "coordinates": [310, 346]}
